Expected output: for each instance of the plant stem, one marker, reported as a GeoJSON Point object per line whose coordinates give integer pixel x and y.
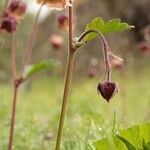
{"type": "Point", "coordinates": [16, 83]}
{"type": "Point", "coordinates": [13, 63]}
{"type": "Point", "coordinates": [65, 99]}
{"type": "Point", "coordinates": [68, 80]}
{"type": "Point", "coordinates": [105, 50]}
{"type": "Point", "coordinates": [13, 115]}
{"type": "Point", "coordinates": [29, 47]}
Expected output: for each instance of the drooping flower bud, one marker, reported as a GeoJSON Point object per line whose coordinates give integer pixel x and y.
{"type": "Point", "coordinates": [63, 22]}
{"type": "Point", "coordinates": [107, 89]}
{"type": "Point", "coordinates": [56, 41]}
{"type": "Point", "coordinates": [8, 23]}
{"type": "Point", "coordinates": [17, 8]}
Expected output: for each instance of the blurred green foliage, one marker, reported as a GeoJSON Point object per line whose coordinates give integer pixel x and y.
{"type": "Point", "coordinates": [89, 117]}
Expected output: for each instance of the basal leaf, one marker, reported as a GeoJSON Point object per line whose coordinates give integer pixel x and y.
{"type": "Point", "coordinates": [133, 138]}
{"type": "Point", "coordinates": [33, 69]}
{"type": "Point", "coordinates": [127, 143]}
{"type": "Point", "coordinates": [106, 28]}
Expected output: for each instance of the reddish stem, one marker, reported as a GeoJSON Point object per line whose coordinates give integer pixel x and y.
{"type": "Point", "coordinates": [13, 117]}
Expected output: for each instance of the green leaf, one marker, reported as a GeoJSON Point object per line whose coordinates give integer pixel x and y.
{"type": "Point", "coordinates": [146, 146]}
{"type": "Point", "coordinates": [33, 69]}
{"type": "Point", "coordinates": [136, 134]}
{"type": "Point", "coordinates": [106, 28]}
{"type": "Point", "coordinates": [133, 138]}
{"type": "Point", "coordinates": [101, 144]}
{"type": "Point", "coordinates": [127, 143]}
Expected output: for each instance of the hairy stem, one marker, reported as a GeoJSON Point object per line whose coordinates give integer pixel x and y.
{"type": "Point", "coordinates": [13, 116]}
{"type": "Point", "coordinates": [29, 47]}
{"type": "Point", "coordinates": [68, 80]}
{"type": "Point", "coordinates": [105, 50]}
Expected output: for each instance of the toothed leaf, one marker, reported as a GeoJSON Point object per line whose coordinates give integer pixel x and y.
{"type": "Point", "coordinates": [106, 28]}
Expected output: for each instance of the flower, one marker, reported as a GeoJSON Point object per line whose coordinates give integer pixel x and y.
{"type": "Point", "coordinates": [117, 64]}
{"type": "Point", "coordinates": [107, 89]}
{"type": "Point", "coordinates": [56, 41]}
{"type": "Point", "coordinates": [17, 8]}
{"type": "Point", "coordinates": [8, 23]}
{"type": "Point", "coordinates": [63, 22]}
{"type": "Point", "coordinates": [60, 4]}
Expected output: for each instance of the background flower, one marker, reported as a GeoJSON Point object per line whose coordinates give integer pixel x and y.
{"type": "Point", "coordinates": [55, 3]}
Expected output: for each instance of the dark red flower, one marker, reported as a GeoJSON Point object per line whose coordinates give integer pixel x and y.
{"type": "Point", "coordinates": [63, 22]}
{"type": "Point", "coordinates": [8, 23]}
{"type": "Point", "coordinates": [107, 89]}
{"type": "Point", "coordinates": [144, 47]}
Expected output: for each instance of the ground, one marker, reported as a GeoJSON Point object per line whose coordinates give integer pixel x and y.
{"type": "Point", "coordinates": [89, 117]}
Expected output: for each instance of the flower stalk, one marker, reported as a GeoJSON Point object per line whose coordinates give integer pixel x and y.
{"type": "Point", "coordinates": [18, 79]}
{"type": "Point", "coordinates": [68, 79]}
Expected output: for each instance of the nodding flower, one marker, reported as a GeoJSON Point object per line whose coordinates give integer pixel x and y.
{"type": "Point", "coordinates": [59, 4]}
{"type": "Point", "coordinates": [17, 8]}
{"type": "Point", "coordinates": [107, 89]}
{"type": "Point", "coordinates": [8, 23]}
{"type": "Point", "coordinates": [63, 22]}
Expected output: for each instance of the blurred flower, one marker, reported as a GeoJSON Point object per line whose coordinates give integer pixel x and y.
{"type": "Point", "coordinates": [146, 32]}
{"type": "Point", "coordinates": [17, 8]}
{"type": "Point", "coordinates": [63, 22]}
{"type": "Point", "coordinates": [60, 4]}
{"type": "Point", "coordinates": [92, 72]}
{"type": "Point", "coordinates": [8, 23]}
{"type": "Point", "coordinates": [48, 136]}
{"type": "Point", "coordinates": [144, 47]}
{"type": "Point", "coordinates": [107, 89]}
{"type": "Point", "coordinates": [117, 64]}
{"type": "Point", "coordinates": [56, 41]}
{"type": "Point", "coordinates": [94, 62]}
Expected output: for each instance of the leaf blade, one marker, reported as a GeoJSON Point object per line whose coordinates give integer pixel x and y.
{"type": "Point", "coordinates": [106, 28]}
{"type": "Point", "coordinates": [33, 69]}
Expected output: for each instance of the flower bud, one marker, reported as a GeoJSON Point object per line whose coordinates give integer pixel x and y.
{"type": "Point", "coordinates": [8, 23]}
{"type": "Point", "coordinates": [56, 41]}
{"type": "Point", "coordinates": [63, 22]}
{"type": "Point", "coordinates": [107, 89]}
{"type": "Point", "coordinates": [17, 8]}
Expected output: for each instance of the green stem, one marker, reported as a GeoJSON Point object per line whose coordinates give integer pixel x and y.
{"type": "Point", "coordinates": [65, 98]}
{"type": "Point", "coordinates": [68, 80]}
